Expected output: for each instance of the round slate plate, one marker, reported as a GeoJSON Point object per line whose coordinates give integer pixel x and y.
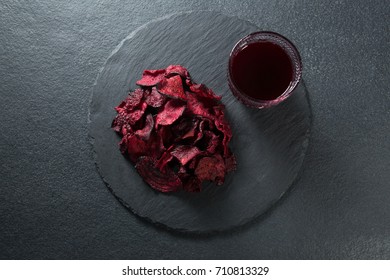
{"type": "Point", "coordinates": [269, 144]}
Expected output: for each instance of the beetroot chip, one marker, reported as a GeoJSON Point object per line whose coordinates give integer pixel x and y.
{"type": "Point", "coordinates": [224, 127]}
{"type": "Point", "coordinates": [172, 87]}
{"type": "Point", "coordinates": [192, 184]}
{"type": "Point", "coordinates": [126, 129]}
{"type": "Point", "coordinates": [202, 91]}
{"type": "Point", "coordinates": [163, 181]}
{"type": "Point", "coordinates": [172, 111]}
{"type": "Point", "coordinates": [164, 160]}
{"type": "Point", "coordinates": [155, 145]}
{"type": "Point", "coordinates": [121, 107]}
{"type": "Point", "coordinates": [212, 140]}
{"type": "Point", "coordinates": [145, 132]}
{"type": "Point", "coordinates": [128, 115]}
{"type": "Point", "coordinates": [211, 169]}
{"type": "Point", "coordinates": [154, 98]}
{"type": "Point", "coordinates": [123, 144]}
{"type": "Point", "coordinates": [136, 147]}
{"type": "Point", "coordinates": [176, 70]}
{"type": "Point", "coordinates": [185, 128]}
{"type": "Point", "coordinates": [219, 111]}
{"type": "Point", "coordinates": [185, 153]}
{"type": "Point", "coordinates": [191, 132]}
{"type": "Point", "coordinates": [193, 163]}
{"type": "Point", "coordinates": [151, 77]}
{"type": "Point", "coordinates": [132, 101]}
{"type": "Point", "coordinates": [119, 122]}
{"type": "Point", "coordinates": [136, 115]}
{"type": "Point", "coordinates": [166, 135]}
{"type": "Point", "coordinates": [121, 125]}
{"type": "Point", "coordinates": [203, 125]}
{"type": "Point", "coordinates": [195, 107]}
{"type": "Point", "coordinates": [183, 175]}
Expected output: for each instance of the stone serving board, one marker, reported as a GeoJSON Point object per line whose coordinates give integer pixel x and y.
{"type": "Point", "coordinates": [269, 144]}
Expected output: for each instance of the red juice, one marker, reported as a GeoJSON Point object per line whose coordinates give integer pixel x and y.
{"type": "Point", "coordinates": [262, 70]}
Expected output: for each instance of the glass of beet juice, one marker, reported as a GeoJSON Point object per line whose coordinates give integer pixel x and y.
{"type": "Point", "coordinates": [264, 69]}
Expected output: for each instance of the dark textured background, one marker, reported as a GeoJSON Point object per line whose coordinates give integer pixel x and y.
{"type": "Point", "coordinates": [53, 203]}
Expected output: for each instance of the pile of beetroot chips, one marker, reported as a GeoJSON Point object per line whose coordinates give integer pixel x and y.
{"type": "Point", "coordinates": [175, 131]}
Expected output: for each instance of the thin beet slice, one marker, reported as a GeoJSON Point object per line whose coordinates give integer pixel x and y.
{"type": "Point", "coordinates": [172, 70]}
{"type": "Point", "coordinates": [145, 132]}
{"type": "Point", "coordinates": [151, 77]}
{"type": "Point", "coordinates": [204, 124]}
{"type": "Point", "coordinates": [185, 128]}
{"type": "Point", "coordinates": [126, 118]}
{"type": "Point", "coordinates": [164, 160]}
{"type": "Point", "coordinates": [223, 126]}
{"type": "Point", "coordinates": [192, 131]}
{"type": "Point", "coordinates": [121, 125]}
{"type": "Point", "coordinates": [193, 163]}
{"type": "Point", "coordinates": [166, 135]}
{"type": "Point", "coordinates": [211, 169]}
{"type": "Point", "coordinates": [121, 107]}
{"type": "Point", "coordinates": [126, 128]}
{"type": "Point", "coordinates": [172, 87]}
{"type": "Point", "coordinates": [123, 144]}
{"type": "Point", "coordinates": [172, 111]}
{"type": "Point", "coordinates": [185, 153]}
{"type": "Point", "coordinates": [212, 141]}
{"type": "Point", "coordinates": [195, 107]}
{"type": "Point", "coordinates": [135, 115]}
{"type": "Point", "coordinates": [163, 181]}
{"type": "Point", "coordinates": [219, 110]}
{"type": "Point", "coordinates": [154, 98]}
{"type": "Point", "coordinates": [118, 122]}
{"type": "Point", "coordinates": [136, 147]}
{"type": "Point", "coordinates": [132, 101]}
{"type": "Point", "coordinates": [202, 91]}
{"type": "Point", "coordinates": [192, 184]}
{"type": "Point", "coordinates": [155, 145]}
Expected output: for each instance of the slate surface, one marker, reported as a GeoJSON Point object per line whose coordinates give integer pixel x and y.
{"type": "Point", "coordinates": [269, 145]}
{"type": "Point", "coordinates": [53, 202]}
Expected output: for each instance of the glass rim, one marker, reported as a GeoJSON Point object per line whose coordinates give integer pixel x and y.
{"type": "Point", "coordinates": [291, 52]}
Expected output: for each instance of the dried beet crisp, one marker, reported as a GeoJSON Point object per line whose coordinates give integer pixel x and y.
{"type": "Point", "coordinates": [174, 131]}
